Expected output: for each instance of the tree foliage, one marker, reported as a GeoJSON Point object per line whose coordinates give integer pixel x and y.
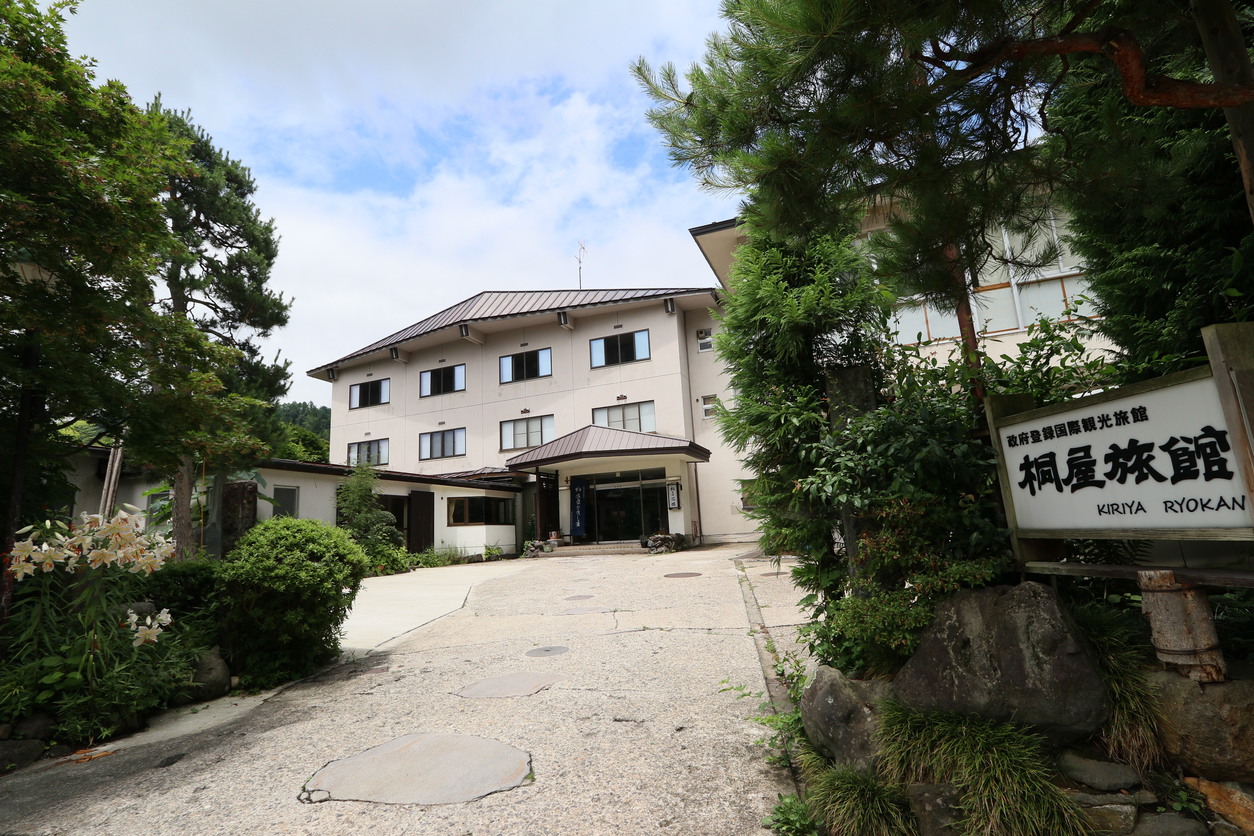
{"type": "Point", "coordinates": [1155, 213]}
{"type": "Point", "coordinates": [791, 313]}
{"type": "Point", "coordinates": [824, 110]}
{"type": "Point", "coordinates": [80, 235]}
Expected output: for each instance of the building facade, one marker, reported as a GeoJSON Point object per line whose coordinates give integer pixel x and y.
{"type": "Point", "coordinates": [600, 403]}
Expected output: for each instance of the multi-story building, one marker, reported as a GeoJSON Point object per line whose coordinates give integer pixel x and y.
{"type": "Point", "coordinates": [600, 402]}
{"type": "Point", "coordinates": [1004, 302]}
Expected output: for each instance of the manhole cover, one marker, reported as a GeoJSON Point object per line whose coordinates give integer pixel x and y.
{"type": "Point", "coordinates": [547, 651]}
{"type": "Point", "coordinates": [684, 575]}
{"type": "Point", "coordinates": [579, 598]}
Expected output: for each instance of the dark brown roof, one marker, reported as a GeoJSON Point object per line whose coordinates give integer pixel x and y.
{"type": "Point", "coordinates": [384, 475]}
{"type": "Point", "coordinates": [601, 442]}
{"type": "Point", "coordinates": [501, 304]}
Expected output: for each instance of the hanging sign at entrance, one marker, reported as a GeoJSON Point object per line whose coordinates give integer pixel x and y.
{"type": "Point", "coordinates": [672, 496]}
{"type": "Point", "coordinates": [578, 506]}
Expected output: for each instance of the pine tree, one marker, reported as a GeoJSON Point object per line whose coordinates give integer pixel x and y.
{"type": "Point", "coordinates": [217, 279]}
{"type": "Point", "coordinates": [823, 111]}
{"type": "Point", "coordinates": [1165, 236]}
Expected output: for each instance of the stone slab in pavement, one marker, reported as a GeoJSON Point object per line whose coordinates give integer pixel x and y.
{"type": "Point", "coordinates": [421, 769]}
{"type": "Point", "coordinates": [639, 736]}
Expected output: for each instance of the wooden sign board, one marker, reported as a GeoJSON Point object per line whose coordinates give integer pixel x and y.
{"type": "Point", "coordinates": [1167, 459]}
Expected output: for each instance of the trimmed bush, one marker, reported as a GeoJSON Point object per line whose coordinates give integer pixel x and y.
{"type": "Point", "coordinates": [286, 590]}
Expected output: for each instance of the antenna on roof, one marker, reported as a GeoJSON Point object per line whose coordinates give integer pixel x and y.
{"type": "Point", "coordinates": [579, 258]}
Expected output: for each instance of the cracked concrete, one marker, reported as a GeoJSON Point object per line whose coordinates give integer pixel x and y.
{"type": "Point", "coordinates": [634, 736]}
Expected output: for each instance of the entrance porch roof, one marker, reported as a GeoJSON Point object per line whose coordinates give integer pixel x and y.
{"type": "Point", "coordinates": [593, 442]}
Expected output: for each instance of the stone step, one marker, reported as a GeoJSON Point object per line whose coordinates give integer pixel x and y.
{"type": "Point", "coordinates": [592, 549]}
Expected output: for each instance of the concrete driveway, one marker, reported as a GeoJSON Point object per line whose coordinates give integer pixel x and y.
{"type": "Point", "coordinates": [637, 734]}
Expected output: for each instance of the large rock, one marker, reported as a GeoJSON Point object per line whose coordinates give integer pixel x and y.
{"type": "Point", "coordinates": [839, 715]}
{"type": "Point", "coordinates": [212, 677]}
{"type": "Point", "coordinates": [1209, 729]}
{"type": "Point", "coordinates": [1007, 653]}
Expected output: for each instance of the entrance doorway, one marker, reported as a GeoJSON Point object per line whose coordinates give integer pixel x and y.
{"type": "Point", "coordinates": [627, 505]}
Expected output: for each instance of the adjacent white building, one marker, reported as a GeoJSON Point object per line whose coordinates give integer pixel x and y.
{"type": "Point", "coordinates": [599, 403]}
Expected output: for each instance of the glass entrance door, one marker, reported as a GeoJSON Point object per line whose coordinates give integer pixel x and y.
{"type": "Point", "coordinates": [626, 511]}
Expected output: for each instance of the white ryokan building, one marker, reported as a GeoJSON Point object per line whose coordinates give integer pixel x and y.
{"type": "Point", "coordinates": [599, 402]}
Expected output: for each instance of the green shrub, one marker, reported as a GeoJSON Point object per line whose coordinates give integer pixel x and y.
{"type": "Point", "coordinates": [393, 561]}
{"type": "Point", "coordinates": [791, 818]}
{"type": "Point", "coordinates": [433, 558]}
{"type": "Point", "coordinates": [187, 588]}
{"type": "Point", "coordinates": [287, 588]}
{"type": "Point", "coordinates": [358, 512]}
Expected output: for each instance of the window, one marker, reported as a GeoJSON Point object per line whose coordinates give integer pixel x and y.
{"type": "Point", "coordinates": [629, 416]}
{"type": "Point", "coordinates": [620, 348]}
{"type": "Point", "coordinates": [705, 339]}
{"type": "Point", "coordinates": [370, 393]}
{"type": "Point", "coordinates": [286, 501]}
{"type": "Point", "coordinates": [480, 510]}
{"type": "Point", "coordinates": [526, 364]}
{"type": "Point", "coordinates": [708, 402]}
{"type": "Point", "coordinates": [443, 444]}
{"type": "Point", "coordinates": [527, 432]}
{"type": "Point", "coordinates": [368, 452]}
{"type": "Point", "coordinates": [440, 381]}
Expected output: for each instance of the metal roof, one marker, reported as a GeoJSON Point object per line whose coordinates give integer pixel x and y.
{"type": "Point", "coordinates": [600, 442]}
{"type": "Point", "coordinates": [384, 475]}
{"type": "Point", "coordinates": [502, 304]}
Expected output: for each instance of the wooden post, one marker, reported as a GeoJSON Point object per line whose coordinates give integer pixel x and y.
{"type": "Point", "coordinates": [1181, 626]}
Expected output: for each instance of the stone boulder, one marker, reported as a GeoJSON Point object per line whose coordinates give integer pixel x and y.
{"type": "Point", "coordinates": [212, 677]}
{"type": "Point", "coordinates": [1007, 653]}
{"type": "Point", "coordinates": [1098, 774]}
{"type": "Point", "coordinates": [839, 715]}
{"type": "Point", "coordinates": [1209, 729]}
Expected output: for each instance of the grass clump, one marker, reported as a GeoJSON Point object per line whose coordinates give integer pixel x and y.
{"type": "Point", "coordinates": [999, 769]}
{"type": "Point", "coordinates": [849, 803]}
{"type": "Point", "coordinates": [1123, 656]}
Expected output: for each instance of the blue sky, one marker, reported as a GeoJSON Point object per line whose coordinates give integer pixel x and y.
{"type": "Point", "coordinates": [415, 152]}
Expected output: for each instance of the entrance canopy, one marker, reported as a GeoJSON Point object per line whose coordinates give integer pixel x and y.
{"type": "Point", "coordinates": [593, 442]}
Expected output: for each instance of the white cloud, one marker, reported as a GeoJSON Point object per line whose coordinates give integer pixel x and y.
{"type": "Point", "coordinates": [415, 153]}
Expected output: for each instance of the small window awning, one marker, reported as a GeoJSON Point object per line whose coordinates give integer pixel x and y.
{"type": "Point", "coordinates": [594, 442]}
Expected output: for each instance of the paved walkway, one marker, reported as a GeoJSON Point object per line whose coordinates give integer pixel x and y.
{"type": "Point", "coordinates": [635, 735]}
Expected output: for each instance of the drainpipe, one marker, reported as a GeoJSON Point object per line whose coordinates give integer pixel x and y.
{"type": "Point", "coordinates": [696, 504]}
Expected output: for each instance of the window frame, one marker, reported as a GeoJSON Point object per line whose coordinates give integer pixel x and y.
{"type": "Point", "coordinates": [705, 340]}
{"type": "Point", "coordinates": [640, 416]}
{"type": "Point", "coordinates": [618, 341]}
{"type": "Point", "coordinates": [425, 444]}
{"type": "Point", "coordinates": [544, 359]}
{"type": "Point", "coordinates": [280, 509]}
{"type": "Point", "coordinates": [356, 390]}
{"type": "Point", "coordinates": [708, 405]}
{"type": "Point", "coordinates": [427, 378]}
{"type": "Point", "coordinates": [379, 444]}
{"type": "Point", "coordinates": [548, 431]}
{"type": "Point", "coordinates": [469, 507]}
